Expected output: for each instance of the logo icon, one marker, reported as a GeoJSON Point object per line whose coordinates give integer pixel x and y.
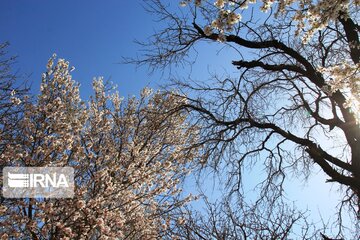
{"type": "Point", "coordinates": [18, 180]}
{"type": "Point", "coordinates": [34, 182]}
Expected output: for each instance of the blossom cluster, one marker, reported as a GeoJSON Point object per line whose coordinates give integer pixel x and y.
{"type": "Point", "coordinates": [227, 17]}
{"type": "Point", "coordinates": [129, 158]}
{"type": "Point", "coordinates": [225, 22]}
{"type": "Point", "coordinates": [310, 15]}
{"type": "Point", "coordinates": [315, 15]}
{"type": "Point", "coordinates": [15, 100]}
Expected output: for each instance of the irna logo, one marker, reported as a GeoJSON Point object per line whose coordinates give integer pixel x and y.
{"type": "Point", "coordinates": [34, 182]}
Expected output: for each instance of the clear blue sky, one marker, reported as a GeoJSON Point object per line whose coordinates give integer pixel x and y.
{"type": "Point", "coordinates": [94, 36]}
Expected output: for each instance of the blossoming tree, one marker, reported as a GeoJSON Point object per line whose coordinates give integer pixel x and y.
{"type": "Point", "coordinates": [129, 157]}
{"type": "Point", "coordinates": [294, 105]}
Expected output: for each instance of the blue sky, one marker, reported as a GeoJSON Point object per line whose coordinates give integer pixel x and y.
{"type": "Point", "coordinates": [94, 36]}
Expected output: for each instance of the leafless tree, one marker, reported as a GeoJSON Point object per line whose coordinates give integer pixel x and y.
{"type": "Point", "coordinates": [277, 113]}
{"type": "Point", "coordinates": [225, 220]}
{"type": "Point", "coordinates": [12, 93]}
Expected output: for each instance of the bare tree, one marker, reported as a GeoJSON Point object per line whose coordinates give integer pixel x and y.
{"type": "Point", "coordinates": [284, 110]}
{"type": "Point", "coordinates": [226, 219]}
{"type": "Point", "coordinates": [13, 93]}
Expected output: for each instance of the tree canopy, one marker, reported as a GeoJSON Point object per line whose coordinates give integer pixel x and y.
{"type": "Point", "coordinates": [129, 158]}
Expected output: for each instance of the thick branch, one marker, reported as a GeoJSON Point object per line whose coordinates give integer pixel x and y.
{"type": "Point", "coordinates": [279, 67]}
{"type": "Point", "coordinates": [352, 36]}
